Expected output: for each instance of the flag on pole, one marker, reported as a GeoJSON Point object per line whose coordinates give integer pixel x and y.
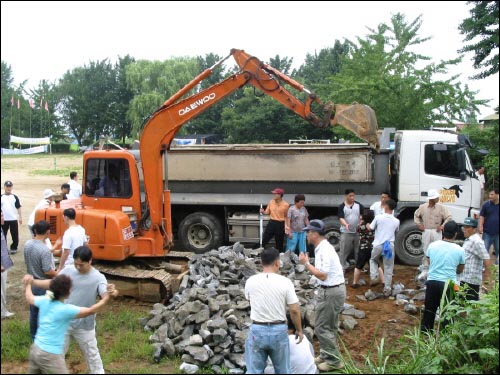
{"type": "Point", "coordinates": [18, 103]}
{"type": "Point", "coordinates": [12, 100]}
{"type": "Point", "coordinates": [32, 103]}
{"type": "Point", "coordinates": [46, 106]}
{"type": "Point", "coordinates": [41, 102]}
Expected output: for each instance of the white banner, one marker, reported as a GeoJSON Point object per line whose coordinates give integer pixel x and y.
{"type": "Point", "coordinates": [30, 141]}
{"type": "Point", "coordinates": [26, 151]}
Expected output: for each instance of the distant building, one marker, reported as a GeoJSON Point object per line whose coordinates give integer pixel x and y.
{"type": "Point", "coordinates": [490, 120]}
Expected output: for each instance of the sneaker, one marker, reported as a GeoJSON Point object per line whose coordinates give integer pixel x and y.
{"type": "Point", "coordinates": [387, 292]}
{"type": "Point", "coordinates": [327, 367]}
{"type": "Point", "coordinates": [318, 360]}
{"type": "Point", "coordinates": [8, 314]}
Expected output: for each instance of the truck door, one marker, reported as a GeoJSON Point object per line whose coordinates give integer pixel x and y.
{"type": "Point", "coordinates": [443, 169]}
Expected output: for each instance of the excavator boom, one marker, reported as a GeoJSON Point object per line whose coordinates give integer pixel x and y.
{"type": "Point", "coordinates": [162, 126]}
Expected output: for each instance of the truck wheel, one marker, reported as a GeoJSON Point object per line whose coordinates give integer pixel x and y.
{"type": "Point", "coordinates": [409, 244]}
{"type": "Point", "coordinates": [200, 232]}
{"type": "Point", "coordinates": [332, 231]}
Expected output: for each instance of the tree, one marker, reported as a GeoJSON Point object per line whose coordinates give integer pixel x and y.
{"type": "Point", "coordinates": [153, 82]}
{"type": "Point", "coordinates": [382, 72]}
{"type": "Point", "coordinates": [87, 95]}
{"type": "Point", "coordinates": [123, 96]}
{"type": "Point", "coordinates": [481, 30]}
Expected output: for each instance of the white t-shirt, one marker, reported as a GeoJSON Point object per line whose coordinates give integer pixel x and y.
{"type": "Point", "coordinates": [385, 227]}
{"type": "Point", "coordinates": [327, 261]}
{"type": "Point", "coordinates": [42, 204]}
{"type": "Point", "coordinates": [481, 180]}
{"type": "Point", "coordinates": [269, 294]}
{"type": "Point", "coordinates": [75, 189]}
{"type": "Point", "coordinates": [10, 204]}
{"type": "Point", "coordinates": [301, 358]}
{"type": "Point", "coordinates": [73, 237]}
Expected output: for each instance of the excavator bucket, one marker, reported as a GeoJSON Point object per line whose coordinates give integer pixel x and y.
{"type": "Point", "coordinates": [359, 119]}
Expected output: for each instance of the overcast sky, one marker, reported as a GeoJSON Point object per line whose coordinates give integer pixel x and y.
{"type": "Point", "coordinates": [43, 40]}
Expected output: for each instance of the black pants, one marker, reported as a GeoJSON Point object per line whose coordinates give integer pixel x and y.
{"type": "Point", "coordinates": [433, 294]}
{"type": "Point", "coordinates": [277, 229]}
{"type": "Point", "coordinates": [14, 232]}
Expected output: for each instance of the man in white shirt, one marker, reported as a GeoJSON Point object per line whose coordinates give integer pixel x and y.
{"type": "Point", "coordinates": [331, 295]}
{"type": "Point", "coordinates": [385, 227]}
{"type": "Point", "coordinates": [269, 293]}
{"type": "Point", "coordinates": [75, 189]}
{"type": "Point", "coordinates": [377, 206]}
{"type": "Point", "coordinates": [11, 208]}
{"type": "Point", "coordinates": [73, 237]}
{"type": "Point", "coordinates": [48, 197]}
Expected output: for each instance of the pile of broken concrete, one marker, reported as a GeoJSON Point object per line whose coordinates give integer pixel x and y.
{"type": "Point", "coordinates": [207, 321]}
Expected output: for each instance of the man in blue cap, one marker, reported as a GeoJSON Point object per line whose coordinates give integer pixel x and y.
{"type": "Point", "coordinates": [476, 259]}
{"type": "Point", "coordinates": [330, 295]}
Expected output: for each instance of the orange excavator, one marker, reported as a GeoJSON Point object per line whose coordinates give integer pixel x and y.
{"type": "Point", "coordinates": [126, 203]}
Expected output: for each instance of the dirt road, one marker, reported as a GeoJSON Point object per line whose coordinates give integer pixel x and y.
{"type": "Point", "coordinates": [32, 174]}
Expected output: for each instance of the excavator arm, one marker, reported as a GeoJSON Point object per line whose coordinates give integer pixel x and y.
{"type": "Point", "coordinates": [162, 126]}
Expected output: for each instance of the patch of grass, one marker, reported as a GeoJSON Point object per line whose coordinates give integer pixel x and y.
{"type": "Point", "coordinates": [16, 339]}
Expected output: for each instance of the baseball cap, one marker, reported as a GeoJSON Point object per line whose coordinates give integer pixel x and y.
{"type": "Point", "coordinates": [8, 183]}
{"type": "Point", "coordinates": [470, 222]}
{"type": "Point", "coordinates": [432, 194]}
{"type": "Point", "coordinates": [451, 227]}
{"type": "Point", "coordinates": [278, 191]}
{"type": "Point", "coordinates": [47, 193]}
{"type": "Point", "coordinates": [315, 225]}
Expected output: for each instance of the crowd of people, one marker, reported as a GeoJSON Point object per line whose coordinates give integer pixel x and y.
{"type": "Point", "coordinates": [63, 299]}
{"type": "Point", "coordinates": [370, 237]}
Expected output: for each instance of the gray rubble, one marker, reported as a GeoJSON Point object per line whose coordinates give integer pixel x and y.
{"type": "Point", "coordinates": [207, 321]}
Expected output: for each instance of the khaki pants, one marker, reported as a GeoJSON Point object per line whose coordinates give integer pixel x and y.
{"type": "Point", "coordinates": [42, 362]}
{"type": "Point", "coordinates": [327, 312]}
{"type": "Point", "coordinates": [428, 237]}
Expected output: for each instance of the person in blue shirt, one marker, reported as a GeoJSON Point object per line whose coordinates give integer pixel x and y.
{"type": "Point", "coordinates": [446, 259]}
{"type": "Point", "coordinates": [47, 352]}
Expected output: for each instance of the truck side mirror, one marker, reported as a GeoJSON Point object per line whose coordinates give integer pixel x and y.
{"type": "Point", "coordinates": [463, 175]}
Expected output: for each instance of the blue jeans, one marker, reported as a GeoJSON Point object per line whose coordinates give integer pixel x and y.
{"type": "Point", "coordinates": [491, 239]}
{"type": "Point", "coordinates": [298, 238]}
{"type": "Point", "coordinates": [264, 341]}
{"type": "Point", "coordinates": [34, 312]}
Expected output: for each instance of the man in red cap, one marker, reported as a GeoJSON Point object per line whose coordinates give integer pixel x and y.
{"type": "Point", "coordinates": [277, 209]}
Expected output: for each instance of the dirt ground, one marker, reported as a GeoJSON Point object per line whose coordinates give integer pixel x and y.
{"type": "Point", "coordinates": [383, 317]}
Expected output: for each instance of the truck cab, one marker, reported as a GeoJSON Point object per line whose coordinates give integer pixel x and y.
{"type": "Point", "coordinates": [424, 160]}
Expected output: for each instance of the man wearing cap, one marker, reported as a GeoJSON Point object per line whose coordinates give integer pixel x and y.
{"type": "Point", "coordinates": [476, 258]}
{"type": "Point", "coordinates": [278, 210]}
{"type": "Point", "coordinates": [269, 294]}
{"type": "Point", "coordinates": [446, 259]}
{"type": "Point", "coordinates": [331, 295]}
{"type": "Point", "coordinates": [430, 218]}
{"type": "Point", "coordinates": [48, 197]}
{"type": "Point", "coordinates": [11, 208]}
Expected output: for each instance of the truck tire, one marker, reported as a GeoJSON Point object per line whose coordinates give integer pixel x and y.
{"type": "Point", "coordinates": [200, 232]}
{"type": "Point", "coordinates": [409, 244]}
{"type": "Point", "coordinates": [332, 231]}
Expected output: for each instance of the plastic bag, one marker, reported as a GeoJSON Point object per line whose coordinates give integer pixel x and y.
{"type": "Point", "coordinates": [387, 250]}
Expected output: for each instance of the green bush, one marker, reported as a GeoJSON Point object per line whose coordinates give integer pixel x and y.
{"type": "Point", "coordinates": [60, 148]}
{"type": "Point", "coordinates": [468, 345]}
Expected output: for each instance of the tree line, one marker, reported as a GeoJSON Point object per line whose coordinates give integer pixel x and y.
{"type": "Point", "coordinates": [115, 100]}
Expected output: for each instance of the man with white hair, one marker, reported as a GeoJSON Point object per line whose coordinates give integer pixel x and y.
{"type": "Point", "coordinates": [430, 218]}
{"type": "Point", "coordinates": [48, 197]}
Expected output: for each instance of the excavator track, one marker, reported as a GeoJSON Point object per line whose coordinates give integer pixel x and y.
{"type": "Point", "coordinates": [148, 280]}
